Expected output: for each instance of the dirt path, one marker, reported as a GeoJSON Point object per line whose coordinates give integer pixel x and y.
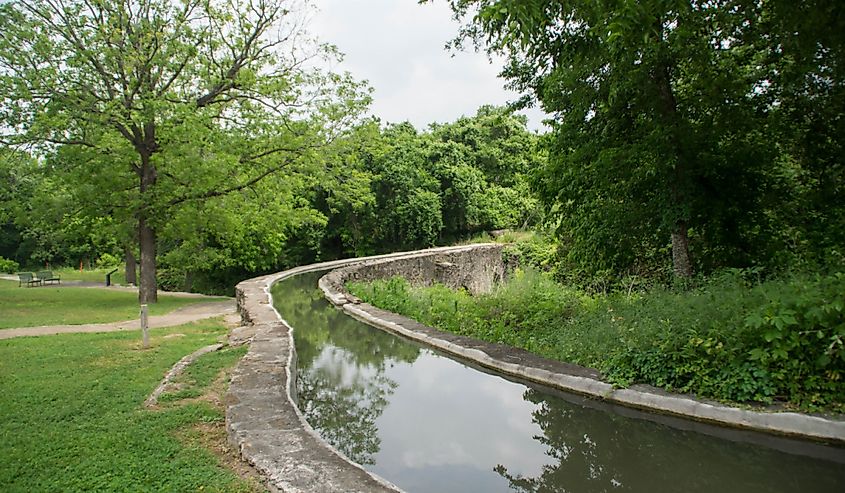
{"type": "Point", "coordinates": [190, 313]}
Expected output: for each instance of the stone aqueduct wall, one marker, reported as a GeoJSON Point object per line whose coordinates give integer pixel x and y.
{"type": "Point", "coordinates": [270, 432]}
{"type": "Point", "coordinates": [475, 268]}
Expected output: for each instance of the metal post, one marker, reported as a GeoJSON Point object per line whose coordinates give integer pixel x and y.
{"type": "Point", "coordinates": [144, 326]}
{"type": "Point", "coordinates": [108, 277]}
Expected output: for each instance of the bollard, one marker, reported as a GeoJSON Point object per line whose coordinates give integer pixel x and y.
{"type": "Point", "coordinates": [144, 330]}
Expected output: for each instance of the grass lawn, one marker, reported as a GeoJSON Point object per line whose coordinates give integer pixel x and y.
{"type": "Point", "coordinates": [88, 275]}
{"type": "Point", "coordinates": [91, 275]}
{"type": "Point", "coordinates": [72, 418]}
{"type": "Point", "coordinates": [60, 305]}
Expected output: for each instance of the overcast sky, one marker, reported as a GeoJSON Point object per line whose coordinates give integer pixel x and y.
{"type": "Point", "coordinates": [398, 46]}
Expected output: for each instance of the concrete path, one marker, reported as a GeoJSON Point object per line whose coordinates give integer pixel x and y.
{"type": "Point", "coordinates": [190, 313]}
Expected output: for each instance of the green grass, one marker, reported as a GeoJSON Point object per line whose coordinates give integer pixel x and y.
{"type": "Point", "coordinates": [732, 338]}
{"type": "Point", "coordinates": [91, 275]}
{"type": "Point", "coordinates": [201, 374]}
{"type": "Point", "coordinates": [60, 305]}
{"type": "Point", "coordinates": [71, 417]}
{"type": "Point", "coordinates": [87, 275]}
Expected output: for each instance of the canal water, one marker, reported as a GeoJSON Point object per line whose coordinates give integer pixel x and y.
{"type": "Point", "coordinates": [428, 423]}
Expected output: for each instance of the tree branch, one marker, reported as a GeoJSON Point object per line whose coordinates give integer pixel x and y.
{"type": "Point", "coordinates": [217, 193]}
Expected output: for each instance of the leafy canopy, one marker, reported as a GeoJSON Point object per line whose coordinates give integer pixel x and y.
{"type": "Point", "coordinates": [715, 119]}
{"type": "Point", "coordinates": [186, 101]}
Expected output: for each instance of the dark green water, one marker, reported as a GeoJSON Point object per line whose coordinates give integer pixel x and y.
{"type": "Point", "coordinates": [428, 423]}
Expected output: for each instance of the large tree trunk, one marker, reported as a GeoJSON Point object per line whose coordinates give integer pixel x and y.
{"type": "Point", "coordinates": [680, 251]}
{"type": "Point", "coordinates": [131, 266]}
{"type": "Point", "coordinates": [148, 289]}
{"type": "Point", "coordinates": [668, 106]}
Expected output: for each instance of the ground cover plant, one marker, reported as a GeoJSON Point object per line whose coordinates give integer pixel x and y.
{"type": "Point", "coordinates": [72, 416]}
{"type": "Point", "coordinates": [59, 305]}
{"type": "Point", "coordinates": [732, 338]}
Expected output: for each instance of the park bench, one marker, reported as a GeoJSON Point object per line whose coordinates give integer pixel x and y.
{"type": "Point", "coordinates": [28, 278]}
{"type": "Point", "coordinates": [47, 276]}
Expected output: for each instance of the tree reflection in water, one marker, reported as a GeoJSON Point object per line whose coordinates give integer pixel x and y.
{"type": "Point", "coordinates": [341, 386]}
{"type": "Point", "coordinates": [599, 451]}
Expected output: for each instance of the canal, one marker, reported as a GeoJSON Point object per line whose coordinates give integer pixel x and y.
{"type": "Point", "coordinates": [429, 423]}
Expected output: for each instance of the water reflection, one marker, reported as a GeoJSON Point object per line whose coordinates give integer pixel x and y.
{"type": "Point", "coordinates": [428, 423]}
{"type": "Point", "coordinates": [616, 453]}
{"type": "Point", "coordinates": [341, 383]}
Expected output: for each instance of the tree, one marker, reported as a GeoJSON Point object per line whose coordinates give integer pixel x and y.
{"type": "Point", "coordinates": [206, 97]}
{"type": "Point", "coordinates": [804, 54]}
{"type": "Point", "coordinates": [482, 164]}
{"type": "Point", "coordinates": [661, 112]}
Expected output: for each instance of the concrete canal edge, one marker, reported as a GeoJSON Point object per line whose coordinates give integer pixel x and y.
{"type": "Point", "coordinates": [266, 427]}
{"type": "Point", "coordinates": [262, 419]}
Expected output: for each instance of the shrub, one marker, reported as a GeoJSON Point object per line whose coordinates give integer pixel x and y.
{"type": "Point", "coordinates": [170, 279]}
{"type": "Point", "coordinates": [108, 261]}
{"type": "Point", "coordinates": [8, 266]}
{"type": "Point", "coordinates": [535, 251]}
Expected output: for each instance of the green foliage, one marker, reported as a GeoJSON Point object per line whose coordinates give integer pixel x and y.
{"type": "Point", "coordinates": [778, 340]}
{"type": "Point", "coordinates": [534, 250]}
{"type": "Point", "coordinates": [802, 350]}
{"type": "Point", "coordinates": [73, 418]}
{"type": "Point", "coordinates": [375, 190]}
{"type": "Point", "coordinates": [148, 115]}
{"type": "Point", "coordinates": [398, 188]}
{"type": "Point", "coordinates": [732, 338]}
{"type": "Point", "coordinates": [108, 261]}
{"type": "Point", "coordinates": [720, 120]}
{"type": "Point", "coordinates": [419, 219]}
{"type": "Point", "coordinates": [9, 266]}
{"type": "Point", "coordinates": [171, 279]}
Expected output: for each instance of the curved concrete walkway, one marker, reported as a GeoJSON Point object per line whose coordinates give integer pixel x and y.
{"type": "Point", "coordinates": [186, 314]}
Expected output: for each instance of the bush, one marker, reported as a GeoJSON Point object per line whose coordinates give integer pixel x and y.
{"type": "Point", "coordinates": [9, 266]}
{"type": "Point", "coordinates": [534, 251]}
{"type": "Point", "coordinates": [170, 279]}
{"type": "Point", "coordinates": [733, 338]}
{"type": "Point", "coordinates": [799, 342]}
{"type": "Point", "coordinates": [108, 261]}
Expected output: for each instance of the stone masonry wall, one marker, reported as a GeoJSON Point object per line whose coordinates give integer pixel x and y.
{"type": "Point", "coordinates": [477, 268]}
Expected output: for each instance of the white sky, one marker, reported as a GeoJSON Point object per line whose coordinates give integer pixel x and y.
{"type": "Point", "coordinates": [398, 46]}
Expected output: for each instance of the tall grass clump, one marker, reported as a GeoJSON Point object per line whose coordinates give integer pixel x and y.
{"type": "Point", "coordinates": [733, 337]}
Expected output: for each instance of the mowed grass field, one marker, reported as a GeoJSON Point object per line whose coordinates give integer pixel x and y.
{"type": "Point", "coordinates": [72, 415]}
{"type": "Point", "coordinates": [61, 305]}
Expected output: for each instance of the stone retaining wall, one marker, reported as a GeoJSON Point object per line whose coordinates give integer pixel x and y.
{"type": "Point", "coordinates": [475, 268]}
